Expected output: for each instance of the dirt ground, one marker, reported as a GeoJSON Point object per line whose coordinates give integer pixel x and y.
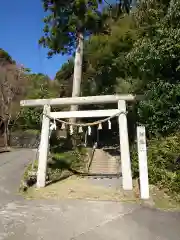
{"type": "Point", "coordinates": [99, 189]}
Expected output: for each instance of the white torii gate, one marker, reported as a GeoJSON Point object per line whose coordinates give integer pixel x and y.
{"type": "Point", "coordinates": [122, 120]}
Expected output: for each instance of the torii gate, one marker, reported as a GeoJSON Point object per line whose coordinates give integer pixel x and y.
{"type": "Point", "coordinates": [122, 120]}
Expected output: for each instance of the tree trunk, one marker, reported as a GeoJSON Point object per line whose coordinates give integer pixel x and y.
{"type": "Point", "coordinates": [76, 89]}
{"type": "Point", "coordinates": [77, 72]}
{"type": "Point", "coordinates": [5, 134]}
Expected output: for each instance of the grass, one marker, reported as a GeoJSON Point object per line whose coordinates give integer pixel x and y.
{"type": "Point", "coordinates": [162, 200]}
{"type": "Point", "coordinates": [60, 166]}
{"type": "Point", "coordinates": [29, 168]}
{"type": "Point", "coordinates": [66, 161]}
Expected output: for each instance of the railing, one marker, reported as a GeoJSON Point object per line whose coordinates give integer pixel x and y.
{"type": "Point", "coordinates": [91, 156]}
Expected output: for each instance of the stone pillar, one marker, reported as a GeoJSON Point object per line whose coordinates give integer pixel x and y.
{"type": "Point", "coordinates": [43, 148]}
{"type": "Point", "coordinates": [124, 147]}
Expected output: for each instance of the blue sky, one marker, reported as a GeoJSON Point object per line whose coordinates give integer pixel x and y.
{"type": "Point", "coordinates": [21, 26]}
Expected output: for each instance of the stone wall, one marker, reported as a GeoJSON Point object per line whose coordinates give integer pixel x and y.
{"type": "Point", "coordinates": [26, 139]}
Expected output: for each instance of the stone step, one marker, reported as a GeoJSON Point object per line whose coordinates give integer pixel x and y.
{"type": "Point", "coordinates": [103, 170]}
{"type": "Point", "coordinates": [104, 163]}
{"type": "Point", "coordinates": [103, 166]}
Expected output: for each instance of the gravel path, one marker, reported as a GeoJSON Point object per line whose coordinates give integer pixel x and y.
{"type": "Point", "coordinates": [74, 219]}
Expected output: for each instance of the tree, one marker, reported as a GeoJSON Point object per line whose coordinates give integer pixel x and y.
{"type": "Point", "coordinates": [5, 57]}
{"type": "Point", "coordinates": [11, 87]}
{"type": "Point", "coordinates": [66, 25]}
{"type": "Point", "coordinates": [65, 79]}
{"type": "Point", "coordinates": [105, 63]}
{"type": "Point", "coordinates": [155, 60]}
{"type": "Point", "coordinates": [65, 22]}
{"type": "Point", "coordinates": [69, 22]}
{"type": "Point", "coordinates": [39, 86]}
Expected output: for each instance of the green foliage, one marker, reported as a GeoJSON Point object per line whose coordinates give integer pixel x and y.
{"type": "Point", "coordinates": [157, 56]}
{"type": "Point", "coordinates": [148, 14]}
{"type": "Point", "coordinates": [39, 86]}
{"type": "Point", "coordinates": [72, 161]}
{"type": "Point", "coordinates": [140, 58]}
{"type": "Point", "coordinates": [65, 78]}
{"type": "Point", "coordinates": [67, 18]}
{"type": "Point", "coordinates": [5, 57]}
{"type": "Point", "coordinates": [163, 163]}
{"type": "Point", "coordinates": [67, 160]}
{"type": "Point", "coordinates": [160, 111]}
{"type": "Point", "coordinates": [29, 169]}
{"type": "Point", "coordinates": [30, 118]}
{"type": "Point", "coordinates": [32, 131]}
{"type": "Point", "coordinates": [104, 66]}
{"type": "Point", "coordinates": [154, 61]}
{"type": "Point", "coordinates": [105, 58]}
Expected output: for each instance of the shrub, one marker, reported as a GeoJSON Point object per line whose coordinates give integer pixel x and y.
{"type": "Point", "coordinates": [163, 163]}
{"type": "Point", "coordinates": [160, 110]}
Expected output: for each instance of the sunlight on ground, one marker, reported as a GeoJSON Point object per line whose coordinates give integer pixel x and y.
{"type": "Point", "coordinates": [162, 200]}
{"type": "Point", "coordinates": [81, 188]}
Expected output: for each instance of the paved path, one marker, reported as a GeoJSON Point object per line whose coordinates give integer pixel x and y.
{"type": "Point", "coordinates": [72, 219]}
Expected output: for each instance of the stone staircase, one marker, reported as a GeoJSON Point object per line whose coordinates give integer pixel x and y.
{"type": "Point", "coordinates": [104, 164]}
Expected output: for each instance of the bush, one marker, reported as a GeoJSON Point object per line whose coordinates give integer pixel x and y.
{"type": "Point", "coordinates": [163, 163]}
{"type": "Point", "coordinates": [68, 160]}
{"type": "Point", "coordinates": [60, 165]}
{"type": "Point", "coordinates": [160, 110]}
